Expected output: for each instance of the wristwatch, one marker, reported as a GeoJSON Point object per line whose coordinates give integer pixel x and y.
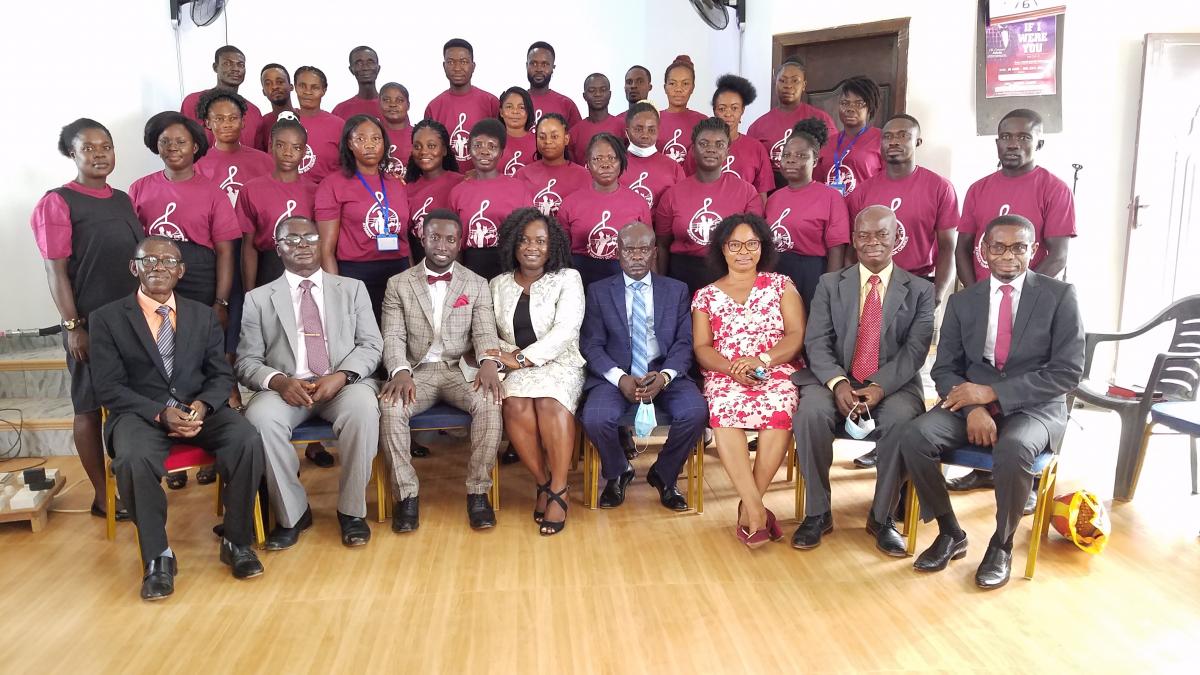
{"type": "Point", "coordinates": [72, 324]}
{"type": "Point", "coordinates": [520, 357]}
{"type": "Point", "coordinates": [666, 378]}
{"type": "Point", "coordinates": [351, 376]}
{"type": "Point", "coordinates": [765, 358]}
{"type": "Point", "coordinates": [223, 303]}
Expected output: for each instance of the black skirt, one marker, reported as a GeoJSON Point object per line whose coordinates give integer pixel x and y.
{"type": "Point", "coordinates": [483, 261]}
{"type": "Point", "coordinates": [804, 271]}
{"type": "Point", "coordinates": [374, 274]}
{"type": "Point", "coordinates": [593, 270]}
{"type": "Point", "coordinates": [199, 280]}
{"type": "Point", "coordinates": [693, 271]}
{"type": "Point", "coordinates": [270, 267]}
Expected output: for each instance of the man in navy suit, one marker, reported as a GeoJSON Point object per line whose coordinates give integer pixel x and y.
{"type": "Point", "coordinates": [637, 339]}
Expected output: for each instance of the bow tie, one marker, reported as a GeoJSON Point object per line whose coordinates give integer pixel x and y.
{"type": "Point", "coordinates": [434, 278]}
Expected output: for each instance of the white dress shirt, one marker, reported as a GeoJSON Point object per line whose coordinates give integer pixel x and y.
{"type": "Point", "coordinates": [615, 374]}
{"type": "Point", "coordinates": [994, 298]}
{"type": "Point", "coordinates": [301, 371]}
{"type": "Point", "coordinates": [437, 298]}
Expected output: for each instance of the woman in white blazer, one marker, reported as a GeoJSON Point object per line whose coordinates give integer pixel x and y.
{"type": "Point", "coordinates": [539, 307]}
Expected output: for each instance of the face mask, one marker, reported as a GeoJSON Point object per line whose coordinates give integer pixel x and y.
{"type": "Point", "coordinates": [642, 152]}
{"type": "Point", "coordinates": [645, 420]}
{"type": "Point", "coordinates": [863, 427]}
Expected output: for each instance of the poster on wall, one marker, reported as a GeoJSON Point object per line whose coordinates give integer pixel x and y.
{"type": "Point", "coordinates": [1020, 58]}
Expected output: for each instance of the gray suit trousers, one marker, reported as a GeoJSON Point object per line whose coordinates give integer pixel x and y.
{"type": "Point", "coordinates": [814, 425]}
{"type": "Point", "coordinates": [442, 382]}
{"type": "Point", "coordinates": [354, 413]}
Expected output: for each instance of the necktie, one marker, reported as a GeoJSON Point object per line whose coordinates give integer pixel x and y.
{"type": "Point", "coordinates": [866, 348]}
{"type": "Point", "coordinates": [166, 345]}
{"type": "Point", "coordinates": [1004, 324]}
{"type": "Point", "coordinates": [434, 278]}
{"type": "Point", "coordinates": [638, 332]}
{"type": "Point", "coordinates": [314, 333]}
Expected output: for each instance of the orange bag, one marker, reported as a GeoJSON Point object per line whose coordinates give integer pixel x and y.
{"type": "Point", "coordinates": [1080, 517]}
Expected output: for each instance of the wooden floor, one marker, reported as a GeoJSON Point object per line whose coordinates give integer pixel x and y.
{"type": "Point", "coordinates": [633, 590]}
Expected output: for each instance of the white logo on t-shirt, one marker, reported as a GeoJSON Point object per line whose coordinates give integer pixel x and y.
{"type": "Point", "coordinates": [310, 159]}
{"type": "Point", "coordinates": [481, 230]}
{"type": "Point", "coordinates": [843, 175]}
{"type": "Point", "coordinates": [602, 240]}
{"type": "Point", "coordinates": [639, 186]}
{"type": "Point", "coordinates": [901, 233]}
{"type": "Point", "coordinates": [547, 200]}
{"type": "Point", "coordinates": [289, 209]}
{"type": "Point", "coordinates": [728, 168]}
{"type": "Point", "coordinates": [418, 218]}
{"type": "Point", "coordinates": [777, 149]}
{"type": "Point", "coordinates": [395, 168]}
{"type": "Point", "coordinates": [779, 233]}
{"type": "Point", "coordinates": [1004, 209]}
{"type": "Point", "coordinates": [373, 224]}
{"type": "Point", "coordinates": [460, 138]}
{"type": "Point", "coordinates": [674, 149]}
{"type": "Point", "coordinates": [702, 223]}
{"type": "Point", "coordinates": [515, 164]}
{"type": "Point", "coordinates": [164, 227]}
{"type": "Point", "coordinates": [231, 187]}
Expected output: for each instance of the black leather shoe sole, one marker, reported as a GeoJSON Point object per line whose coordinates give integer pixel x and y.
{"type": "Point", "coordinates": [972, 481]}
{"type": "Point", "coordinates": [807, 544]}
{"type": "Point", "coordinates": [867, 461]}
{"type": "Point", "coordinates": [246, 568]}
{"type": "Point", "coordinates": [895, 550]}
{"type": "Point", "coordinates": [931, 564]}
{"type": "Point", "coordinates": [612, 498]}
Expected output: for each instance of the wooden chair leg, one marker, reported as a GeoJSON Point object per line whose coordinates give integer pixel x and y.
{"type": "Point", "coordinates": [220, 490]}
{"type": "Point", "coordinates": [110, 501]}
{"type": "Point", "coordinates": [1041, 515]}
{"type": "Point", "coordinates": [691, 478]}
{"type": "Point", "coordinates": [789, 458]}
{"type": "Point", "coordinates": [912, 516]}
{"type": "Point", "coordinates": [700, 475]}
{"type": "Point", "coordinates": [379, 475]}
{"type": "Point", "coordinates": [260, 534]}
{"type": "Point", "coordinates": [495, 491]}
{"type": "Point", "coordinates": [800, 488]}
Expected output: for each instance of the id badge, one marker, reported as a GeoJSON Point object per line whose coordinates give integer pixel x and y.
{"type": "Point", "coordinates": [839, 186]}
{"type": "Point", "coordinates": [387, 242]}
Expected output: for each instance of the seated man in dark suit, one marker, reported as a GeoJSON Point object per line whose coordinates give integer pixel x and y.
{"type": "Point", "coordinates": [637, 339]}
{"type": "Point", "coordinates": [160, 370]}
{"type": "Point", "coordinates": [867, 336]}
{"type": "Point", "coordinates": [1011, 349]}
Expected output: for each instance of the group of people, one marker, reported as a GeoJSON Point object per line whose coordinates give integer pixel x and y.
{"type": "Point", "coordinates": [538, 269]}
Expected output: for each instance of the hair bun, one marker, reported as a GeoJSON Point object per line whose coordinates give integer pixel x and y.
{"type": "Point", "coordinates": [684, 58]}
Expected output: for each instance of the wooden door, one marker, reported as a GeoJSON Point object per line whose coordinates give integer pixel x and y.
{"type": "Point", "coordinates": [878, 50]}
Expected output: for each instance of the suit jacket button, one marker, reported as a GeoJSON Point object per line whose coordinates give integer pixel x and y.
{"type": "Point", "coordinates": [1003, 374]}
{"type": "Point", "coordinates": [175, 392]}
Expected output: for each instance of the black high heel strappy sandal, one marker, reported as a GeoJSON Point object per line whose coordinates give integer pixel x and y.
{"type": "Point", "coordinates": [552, 527]}
{"type": "Point", "coordinates": [539, 515]}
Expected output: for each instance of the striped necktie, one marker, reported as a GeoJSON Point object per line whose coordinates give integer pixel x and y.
{"type": "Point", "coordinates": [166, 346]}
{"type": "Point", "coordinates": [638, 331]}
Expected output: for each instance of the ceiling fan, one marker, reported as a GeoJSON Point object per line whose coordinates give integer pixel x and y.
{"type": "Point", "coordinates": [715, 12]}
{"type": "Point", "coordinates": [203, 12]}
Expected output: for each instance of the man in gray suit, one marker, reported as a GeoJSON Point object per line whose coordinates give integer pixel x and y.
{"type": "Point", "coordinates": [437, 316]}
{"type": "Point", "coordinates": [309, 344]}
{"type": "Point", "coordinates": [868, 334]}
{"type": "Point", "coordinates": [1011, 349]}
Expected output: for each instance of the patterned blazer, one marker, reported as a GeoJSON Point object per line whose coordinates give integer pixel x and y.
{"type": "Point", "coordinates": [556, 308]}
{"type": "Point", "coordinates": [468, 324]}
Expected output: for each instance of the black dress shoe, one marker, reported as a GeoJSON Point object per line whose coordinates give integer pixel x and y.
{"type": "Point", "coordinates": [614, 490]}
{"type": "Point", "coordinates": [1030, 503]}
{"type": "Point", "coordinates": [282, 538]}
{"type": "Point", "coordinates": [241, 559]}
{"type": "Point", "coordinates": [159, 580]}
{"type": "Point", "coordinates": [510, 456]}
{"type": "Point", "coordinates": [418, 450]}
{"type": "Point", "coordinates": [479, 512]}
{"type": "Point", "coordinates": [177, 481]}
{"type": "Point", "coordinates": [355, 531]}
{"type": "Point", "coordinates": [808, 535]}
{"type": "Point", "coordinates": [625, 438]}
{"type": "Point", "coordinates": [122, 513]}
{"type": "Point", "coordinates": [668, 495]}
{"type": "Point", "coordinates": [406, 515]}
{"type": "Point", "coordinates": [887, 537]}
{"type": "Point", "coordinates": [206, 475]}
{"type": "Point", "coordinates": [867, 461]}
{"type": "Point", "coordinates": [944, 549]}
{"type": "Point", "coordinates": [975, 480]}
{"type": "Point", "coordinates": [317, 454]}
{"type": "Point", "coordinates": [993, 572]}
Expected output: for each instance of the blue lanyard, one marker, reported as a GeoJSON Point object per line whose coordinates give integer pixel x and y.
{"type": "Point", "coordinates": [386, 213]}
{"type": "Point", "coordinates": [838, 155]}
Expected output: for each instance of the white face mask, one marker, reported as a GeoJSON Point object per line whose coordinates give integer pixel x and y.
{"type": "Point", "coordinates": [858, 430]}
{"type": "Point", "coordinates": [637, 151]}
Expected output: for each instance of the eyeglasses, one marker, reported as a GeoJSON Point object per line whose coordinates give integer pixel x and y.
{"type": "Point", "coordinates": [735, 246]}
{"type": "Point", "coordinates": [297, 239]}
{"type": "Point", "coordinates": [847, 104]}
{"type": "Point", "coordinates": [999, 250]}
{"type": "Point", "coordinates": [149, 262]}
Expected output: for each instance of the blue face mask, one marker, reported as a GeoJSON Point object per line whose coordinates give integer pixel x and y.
{"type": "Point", "coordinates": [645, 420]}
{"type": "Point", "coordinates": [860, 429]}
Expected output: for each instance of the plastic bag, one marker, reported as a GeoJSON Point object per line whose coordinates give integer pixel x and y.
{"type": "Point", "coordinates": [1080, 516]}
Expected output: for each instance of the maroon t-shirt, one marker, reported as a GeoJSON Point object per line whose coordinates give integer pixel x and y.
{"type": "Point", "coordinates": [321, 154]}
{"type": "Point", "coordinates": [482, 205]}
{"type": "Point", "coordinates": [775, 127]}
{"type": "Point", "coordinates": [689, 210]}
{"type": "Point", "coordinates": [592, 219]}
{"type": "Point", "coordinates": [1039, 195]}
{"type": "Point", "coordinates": [860, 158]}
{"type": "Point", "coordinates": [358, 106]}
{"type": "Point", "coordinates": [427, 195]}
{"type": "Point", "coordinates": [651, 176]}
{"type": "Point", "coordinates": [808, 220]}
{"type": "Point", "coordinates": [553, 102]}
{"type": "Point", "coordinates": [399, 152]}
{"type": "Point", "coordinates": [548, 185]}
{"type": "Point", "coordinates": [519, 152]}
{"type": "Point", "coordinates": [265, 202]}
{"type": "Point", "coordinates": [251, 120]}
{"type": "Point", "coordinates": [458, 113]}
{"type": "Point", "coordinates": [191, 210]}
{"type": "Point", "coordinates": [925, 204]}
{"type": "Point", "coordinates": [359, 213]}
{"type": "Point", "coordinates": [675, 132]}
{"type": "Point", "coordinates": [747, 160]}
{"type": "Point", "coordinates": [582, 131]}
{"type": "Point", "coordinates": [230, 171]}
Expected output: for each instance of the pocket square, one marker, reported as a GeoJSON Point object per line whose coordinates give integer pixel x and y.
{"type": "Point", "coordinates": [462, 301]}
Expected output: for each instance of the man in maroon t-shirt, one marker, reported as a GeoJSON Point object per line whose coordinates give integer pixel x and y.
{"type": "Point", "coordinates": [277, 87]}
{"type": "Point", "coordinates": [229, 63]}
{"type": "Point", "coordinates": [364, 66]}
{"type": "Point", "coordinates": [461, 105]}
{"type": "Point", "coordinates": [539, 69]}
{"type": "Point", "coordinates": [597, 92]}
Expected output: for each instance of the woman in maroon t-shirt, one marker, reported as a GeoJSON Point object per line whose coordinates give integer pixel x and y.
{"type": "Point", "coordinates": [677, 121]}
{"type": "Point", "coordinates": [649, 172]}
{"type": "Point", "coordinates": [516, 108]}
{"type": "Point", "coordinates": [432, 173]}
{"type": "Point", "coordinates": [552, 177]}
{"type": "Point", "coordinates": [853, 155]}
{"type": "Point", "coordinates": [393, 103]}
{"type": "Point", "coordinates": [747, 159]}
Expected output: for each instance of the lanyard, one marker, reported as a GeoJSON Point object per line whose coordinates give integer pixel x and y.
{"type": "Point", "coordinates": [386, 213]}
{"type": "Point", "coordinates": [838, 155]}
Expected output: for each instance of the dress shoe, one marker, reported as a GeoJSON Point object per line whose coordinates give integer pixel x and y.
{"type": "Point", "coordinates": [625, 438]}
{"type": "Point", "coordinates": [282, 538]}
{"type": "Point", "coordinates": [867, 461]}
{"type": "Point", "coordinates": [479, 512]}
{"type": "Point", "coordinates": [1030, 503]}
{"type": "Point", "coordinates": [944, 549]}
{"type": "Point", "coordinates": [317, 454]}
{"type": "Point", "coordinates": [122, 512]}
{"type": "Point", "coordinates": [355, 531]}
{"type": "Point", "coordinates": [993, 572]}
{"type": "Point", "coordinates": [887, 538]}
{"type": "Point", "coordinates": [509, 456]}
{"type": "Point", "coordinates": [614, 490]}
{"type": "Point", "coordinates": [406, 515]}
{"type": "Point", "coordinates": [973, 481]}
{"type": "Point", "coordinates": [241, 559]}
{"type": "Point", "coordinates": [418, 450]}
{"type": "Point", "coordinates": [206, 475]}
{"type": "Point", "coordinates": [668, 495]}
{"type": "Point", "coordinates": [177, 481]}
{"type": "Point", "coordinates": [159, 580]}
{"type": "Point", "coordinates": [808, 535]}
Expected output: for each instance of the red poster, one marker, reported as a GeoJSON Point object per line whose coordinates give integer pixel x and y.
{"type": "Point", "coordinates": [1021, 58]}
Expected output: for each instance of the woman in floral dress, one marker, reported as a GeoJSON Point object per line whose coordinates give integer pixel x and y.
{"type": "Point", "coordinates": [749, 319]}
